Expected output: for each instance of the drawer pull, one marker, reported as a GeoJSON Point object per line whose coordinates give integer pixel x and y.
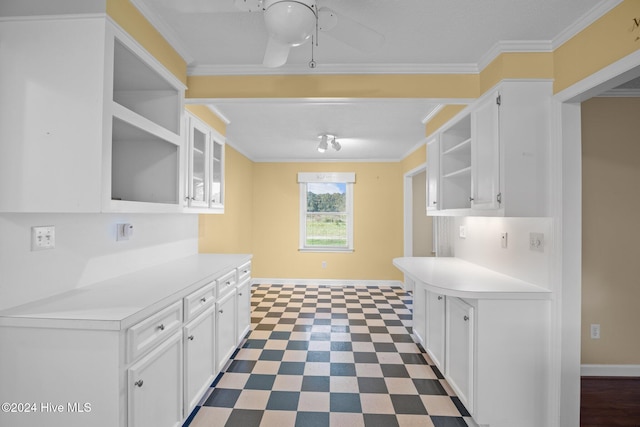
{"type": "Point", "coordinates": [190, 337]}
{"type": "Point", "coordinates": [245, 271]}
{"type": "Point", "coordinates": [203, 299]}
{"type": "Point", "coordinates": [439, 297]}
{"type": "Point", "coordinates": [221, 311]}
{"type": "Point", "coordinates": [138, 383]}
{"type": "Point", "coordinates": [466, 318]}
{"type": "Point", "coordinates": [161, 327]}
{"type": "Point", "coordinates": [240, 293]}
{"type": "Point", "coordinates": [228, 283]}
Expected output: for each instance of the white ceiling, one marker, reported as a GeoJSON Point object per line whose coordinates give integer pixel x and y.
{"type": "Point", "coordinates": [419, 36]}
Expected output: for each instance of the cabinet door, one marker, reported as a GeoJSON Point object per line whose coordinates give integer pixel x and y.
{"type": "Point", "coordinates": [433, 173]}
{"type": "Point", "coordinates": [436, 328]}
{"type": "Point", "coordinates": [217, 174]}
{"type": "Point", "coordinates": [226, 328]}
{"type": "Point", "coordinates": [419, 312]}
{"type": "Point", "coordinates": [155, 386]}
{"type": "Point", "coordinates": [485, 155]}
{"type": "Point", "coordinates": [460, 349]}
{"type": "Point", "coordinates": [199, 143]}
{"type": "Point", "coordinates": [199, 358]}
{"type": "Point", "coordinates": [244, 309]}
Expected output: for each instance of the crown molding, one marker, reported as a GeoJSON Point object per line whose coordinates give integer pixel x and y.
{"type": "Point", "coordinates": [513, 46]}
{"type": "Point", "coordinates": [587, 19]}
{"type": "Point", "coordinates": [165, 30]}
{"type": "Point", "coordinates": [243, 70]}
{"type": "Point", "coordinates": [620, 93]}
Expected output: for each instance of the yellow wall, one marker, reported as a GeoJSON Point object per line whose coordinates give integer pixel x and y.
{"type": "Point", "coordinates": [607, 40]}
{"type": "Point", "coordinates": [610, 265]}
{"type": "Point", "coordinates": [378, 222]}
{"type": "Point", "coordinates": [232, 231]}
{"type": "Point", "coordinates": [414, 159]}
{"type": "Point", "coordinates": [206, 115]}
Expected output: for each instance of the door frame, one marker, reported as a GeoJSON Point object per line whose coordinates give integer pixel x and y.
{"type": "Point", "coordinates": [566, 202]}
{"type": "Point", "coordinates": [408, 207]}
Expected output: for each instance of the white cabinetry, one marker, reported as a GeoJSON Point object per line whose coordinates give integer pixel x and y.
{"type": "Point", "coordinates": [488, 333]}
{"type": "Point", "coordinates": [460, 351]}
{"type": "Point", "coordinates": [493, 155]}
{"type": "Point", "coordinates": [199, 357]}
{"type": "Point", "coordinates": [226, 331]}
{"type": "Point", "coordinates": [139, 348]}
{"type": "Point", "coordinates": [435, 338]}
{"type": "Point", "coordinates": [154, 386]}
{"type": "Point", "coordinates": [89, 121]}
{"type": "Point", "coordinates": [433, 173]}
{"type": "Point", "coordinates": [244, 309]}
{"type": "Point", "coordinates": [419, 312]}
{"type": "Point", "coordinates": [205, 168]}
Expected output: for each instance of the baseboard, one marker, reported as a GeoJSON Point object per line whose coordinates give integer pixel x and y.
{"type": "Point", "coordinates": [610, 370]}
{"type": "Point", "coordinates": [326, 282]}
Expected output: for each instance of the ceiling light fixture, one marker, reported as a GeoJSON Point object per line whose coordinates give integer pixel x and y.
{"type": "Point", "coordinates": [335, 144]}
{"type": "Point", "coordinates": [324, 143]}
{"type": "Point", "coordinates": [322, 147]}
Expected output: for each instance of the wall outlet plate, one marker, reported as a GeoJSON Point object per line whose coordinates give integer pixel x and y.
{"type": "Point", "coordinates": [536, 242]}
{"type": "Point", "coordinates": [124, 231]}
{"type": "Point", "coordinates": [43, 238]}
{"type": "Point", "coordinates": [463, 232]}
{"type": "Point", "coordinates": [503, 240]}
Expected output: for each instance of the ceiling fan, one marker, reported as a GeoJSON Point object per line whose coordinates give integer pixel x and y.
{"type": "Point", "coordinates": [291, 23]}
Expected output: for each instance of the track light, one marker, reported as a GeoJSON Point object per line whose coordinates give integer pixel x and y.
{"type": "Point", "coordinates": [324, 143]}
{"type": "Point", "coordinates": [322, 147]}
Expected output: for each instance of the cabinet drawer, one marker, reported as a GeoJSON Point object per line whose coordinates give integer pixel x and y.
{"type": "Point", "coordinates": [199, 301]}
{"type": "Point", "coordinates": [226, 283]}
{"type": "Point", "coordinates": [153, 330]}
{"type": "Point", "coordinates": [244, 271]}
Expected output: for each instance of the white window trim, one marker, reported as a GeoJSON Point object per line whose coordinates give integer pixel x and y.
{"type": "Point", "coordinates": [306, 177]}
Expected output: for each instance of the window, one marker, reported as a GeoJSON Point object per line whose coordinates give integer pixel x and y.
{"type": "Point", "coordinates": [326, 211]}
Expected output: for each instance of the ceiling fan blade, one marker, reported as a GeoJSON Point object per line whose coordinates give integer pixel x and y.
{"type": "Point", "coordinates": [212, 6]}
{"type": "Point", "coordinates": [349, 31]}
{"type": "Point", "coordinates": [276, 54]}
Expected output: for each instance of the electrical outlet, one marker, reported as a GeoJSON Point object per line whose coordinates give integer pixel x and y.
{"type": "Point", "coordinates": [124, 231]}
{"type": "Point", "coordinates": [43, 238]}
{"type": "Point", "coordinates": [536, 242]}
{"type": "Point", "coordinates": [595, 331]}
{"type": "Point", "coordinates": [463, 232]}
{"type": "Point", "coordinates": [324, 264]}
{"type": "Point", "coordinates": [503, 240]}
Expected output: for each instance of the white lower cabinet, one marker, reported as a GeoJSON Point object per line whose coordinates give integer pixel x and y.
{"type": "Point", "coordinates": [459, 367]}
{"type": "Point", "coordinates": [199, 358]}
{"type": "Point", "coordinates": [244, 309]}
{"type": "Point", "coordinates": [435, 330]}
{"type": "Point", "coordinates": [154, 386]}
{"type": "Point", "coordinates": [226, 339]}
{"type": "Point", "coordinates": [419, 312]}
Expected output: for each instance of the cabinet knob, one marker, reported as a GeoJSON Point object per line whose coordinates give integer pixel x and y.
{"type": "Point", "coordinates": [245, 271]}
{"type": "Point", "coordinates": [471, 199]}
{"type": "Point", "coordinates": [466, 318]}
{"type": "Point", "coordinates": [161, 327]}
{"type": "Point", "coordinates": [240, 293]}
{"type": "Point", "coordinates": [138, 383]}
{"type": "Point", "coordinates": [203, 299]}
{"type": "Point", "coordinates": [434, 202]}
{"type": "Point", "coordinates": [190, 337]}
{"type": "Point", "coordinates": [221, 311]}
{"type": "Point", "coordinates": [228, 283]}
{"type": "Point", "coordinates": [439, 297]}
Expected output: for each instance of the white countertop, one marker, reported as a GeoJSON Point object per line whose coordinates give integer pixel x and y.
{"type": "Point", "coordinates": [118, 303]}
{"type": "Point", "coordinates": [458, 278]}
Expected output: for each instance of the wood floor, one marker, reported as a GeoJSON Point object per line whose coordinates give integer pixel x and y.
{"type": "Point", "coordinates": [610, 402]}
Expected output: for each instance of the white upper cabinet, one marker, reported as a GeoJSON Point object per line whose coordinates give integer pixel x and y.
{"type": "Point", "coordinates": [89, 121]}
{"type": "Point", "coordinates": [433, 173]}
{"type": "Point", "coordinates": [205, 168]}
{"type": "Point", "coordinates": [493, 155]}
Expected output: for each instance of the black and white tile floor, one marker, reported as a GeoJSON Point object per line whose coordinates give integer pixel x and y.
{"type": "Point", "coordinates": [329, 356]}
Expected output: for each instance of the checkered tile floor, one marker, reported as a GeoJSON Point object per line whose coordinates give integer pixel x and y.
{"type": "Point", "coordinates": [329, 356]}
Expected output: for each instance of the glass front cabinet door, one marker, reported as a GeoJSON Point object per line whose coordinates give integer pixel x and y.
{"type": "Point", "coordinates": [205, 168]}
